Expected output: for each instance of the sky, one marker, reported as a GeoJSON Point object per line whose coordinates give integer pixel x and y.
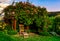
{"type": "Point", "coordinates": [51, 5]}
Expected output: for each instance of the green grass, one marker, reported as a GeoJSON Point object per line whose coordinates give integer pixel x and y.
{"type": "Point", "coordinates": [40, 38]}
{"type": "Point", "coordinates": [5, 37]}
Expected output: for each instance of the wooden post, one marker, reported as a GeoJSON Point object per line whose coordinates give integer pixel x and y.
{"type": "Point", "coordinates": [13, 21]}
{"type": "Point", "coordinates": [14, 24]}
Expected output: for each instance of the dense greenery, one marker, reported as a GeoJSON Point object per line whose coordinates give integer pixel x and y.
{"type": "Point", "coordinates": [28, 14]}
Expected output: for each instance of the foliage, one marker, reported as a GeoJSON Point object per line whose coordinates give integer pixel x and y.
{"type": "Point", "coordinates": [27, 13]}
{"type": "Point", "coordinates": [1, 32]}
{"type": "Point", "coordinates": [44, 33]}
{"type": "Point", "coordinates": [8, 27]}
{"type": "Point", "coordinates": [51, 23]}
{"type": "Point", "coordinates": [25, 18]}
{"type": "Point", "coordinates": [57, 24]}
{"type": "Point", "coordinates": [12, 32]}
{"type": "Point", "coordinates": [37, 20]}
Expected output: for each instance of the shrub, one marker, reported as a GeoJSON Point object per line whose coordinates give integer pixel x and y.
{"type": "Point", "coordinates": [12, 32]}
{"type": "Point", "coordinates": [44, 33]}
{"type": "Point", "coordinates": [58, 32]}
{"type": "Point", "coordinates": [1, 32]}
{"type": "Point", "coordinates": [57, 25]}
{"type": "Point", "coordinates": [1, 29]}
{"type": "Point", "coordinates": [50, 28]}
{"type": "Point", "coordinates": [8, 27]}
{"type": "Point", "coordinates": [5, 31]}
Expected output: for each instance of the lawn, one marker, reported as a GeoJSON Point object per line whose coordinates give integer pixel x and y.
{"type": "Point", "coordinates": [4, 37]}
{"type": "Point", "coordinates": [40, 38]}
